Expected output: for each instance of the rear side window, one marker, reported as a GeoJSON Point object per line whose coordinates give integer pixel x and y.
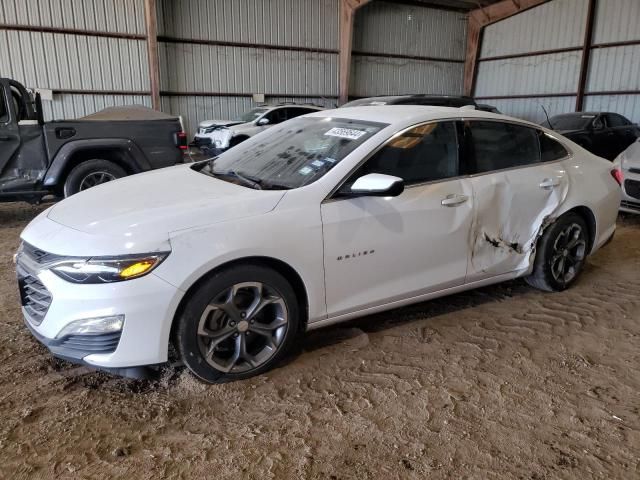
{"type": "Point", "coordinates": [499, 145]}
{"type": "Point", "coordinates": [551, 149]}
{"type": "Point", "coordinates": [423, 154]}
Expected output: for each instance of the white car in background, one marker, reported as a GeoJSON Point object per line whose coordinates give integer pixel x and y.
{"type": "Point", "coordinates": [219, 135]}
{"type": "Point", "coordinates": [628, 172]}
{"type": "Point", "coordinates": [326, 217]}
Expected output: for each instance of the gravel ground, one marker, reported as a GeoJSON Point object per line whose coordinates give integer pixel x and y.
{"type": "Point", "coordinates": [503, 382]}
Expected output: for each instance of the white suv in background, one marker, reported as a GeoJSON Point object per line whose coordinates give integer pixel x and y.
{"type": "Point", "coordinates": [326, 217]}
{"type": "Point", "coordinates": [218, 135]}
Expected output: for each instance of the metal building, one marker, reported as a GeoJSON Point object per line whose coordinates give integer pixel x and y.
{"type": "Point", "coordinates": [213, 57]}
{"type": "Point", "coordinates": [564, 55]}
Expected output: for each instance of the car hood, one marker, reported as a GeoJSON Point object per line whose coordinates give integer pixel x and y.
{"type": "Point", "coordinates": [146, 209]}
{"type": "Point", "coordinates": [219, 123]}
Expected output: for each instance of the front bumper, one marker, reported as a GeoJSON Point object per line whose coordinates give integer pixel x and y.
{"type": "Point", "coordinates": [208, 144]}
{"type": "Point", "coordinates": [148, 304]}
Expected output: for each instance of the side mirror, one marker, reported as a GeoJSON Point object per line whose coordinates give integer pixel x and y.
{"type": "Point", "coordinates": [597, 125]}
{"type": "Point", "coordinates": [263, 121]}
{"type": "Point", "coordinates": [377, 185]}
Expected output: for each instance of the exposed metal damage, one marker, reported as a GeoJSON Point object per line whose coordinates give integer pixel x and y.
{"type": "Point", "coordinates": [504, 234]}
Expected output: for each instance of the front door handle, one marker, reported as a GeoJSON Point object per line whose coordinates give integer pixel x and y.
{"type": "Point", "coordinates": [454, 200]}
{"type": "Point", "coordinates": [6, 138]}
{"type": "Point", "coordinates": [549, 183]}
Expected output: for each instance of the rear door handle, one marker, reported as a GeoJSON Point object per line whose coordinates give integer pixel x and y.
{"type": "Point", "coordinates": [454, 200]}
{"type": "Point", "coordinates": [6, 138]}
{"type": "Point", "coordinates": [549, 183]}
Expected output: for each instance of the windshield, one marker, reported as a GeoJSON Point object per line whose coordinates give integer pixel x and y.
{"type": "Point", "coordinates": [251, 115]}
{"type": "Point", "coordinates": [571, 122]}
{"type": "Point", "coordinates": [291, 154]}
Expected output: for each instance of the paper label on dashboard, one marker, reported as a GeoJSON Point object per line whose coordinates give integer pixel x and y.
{"type": "Point", "coordinates": [349, 133]}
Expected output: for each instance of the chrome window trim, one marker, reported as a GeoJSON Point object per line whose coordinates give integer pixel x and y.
{"type": "Point", "coordinates": [330, 197]}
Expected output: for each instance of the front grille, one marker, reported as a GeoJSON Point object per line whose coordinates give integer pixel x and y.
{"type": "Point", "coordinates": [91, 344]}
{"type": "Point", "coordinates": [632, 187]}
{"type": "Point", "coordinates": [34, 296]}
{"type": "Point", "coordinates": [630, 205]}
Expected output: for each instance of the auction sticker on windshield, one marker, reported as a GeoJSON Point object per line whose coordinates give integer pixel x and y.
{"type": "Point", "coordinates": [349, 133]}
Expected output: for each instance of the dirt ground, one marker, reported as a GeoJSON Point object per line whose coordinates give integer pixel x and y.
{"type": "Point", "coordinates": [504, 382]}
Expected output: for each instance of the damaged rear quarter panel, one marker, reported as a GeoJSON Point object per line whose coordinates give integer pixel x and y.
{"type": "Point", "coordinates": [511, 212]}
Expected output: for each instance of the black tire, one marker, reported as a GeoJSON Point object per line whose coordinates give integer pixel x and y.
{"type": "Point", "coordinates": [560, 257]}
{"type": "Point", "coordinates": [79, 177]}
{"type": "Point", "coordinates": [217, 323]}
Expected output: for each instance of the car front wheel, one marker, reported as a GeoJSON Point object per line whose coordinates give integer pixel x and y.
{"type": "Point", "coordinates": [237, 324]}
{"type": "Point", "coordinates": [561, 254]}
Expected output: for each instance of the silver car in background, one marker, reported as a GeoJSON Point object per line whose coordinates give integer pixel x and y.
{"type": "Point", "coordinates": [627, 166]}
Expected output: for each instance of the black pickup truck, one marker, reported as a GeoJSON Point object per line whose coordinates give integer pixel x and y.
{"type": "Point", "coordinates": [60, 158]}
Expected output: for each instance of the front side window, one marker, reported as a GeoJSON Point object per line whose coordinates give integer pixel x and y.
{"type": "Point", "coordinates": [423, 154]}
{"type": "Point", "coordinates": [251, 115]}
{"type": "Point", "coordinates": [297, 111]}
{"type": "Point", "coordinates": [500, 145]}
{"type": "Point", "coordinates": [276, 116]}
{"type": "Point", "coordinates": [291, 155]}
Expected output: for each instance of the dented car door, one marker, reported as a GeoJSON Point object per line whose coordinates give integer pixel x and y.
{"type": "Point", "coordinates": [518, 183]}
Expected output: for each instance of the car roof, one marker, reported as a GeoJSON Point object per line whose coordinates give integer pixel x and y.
{"type": "Point", "coordinates": [578, 114]}
{"type": "Point", "coordinates": [282, 105]}
{"type": "Point", "coordinates": [406, 99]}
{"type": "Point", "coordinates": [411, 114]}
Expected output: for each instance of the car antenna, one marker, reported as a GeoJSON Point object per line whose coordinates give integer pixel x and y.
{"type": "Point", "coordinates": [546, 114]}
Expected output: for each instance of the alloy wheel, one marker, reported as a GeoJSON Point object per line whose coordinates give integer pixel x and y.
{"type": "Point", "coordinates": [242, 327]}
{"type": "Point", "coordinates": [95, 178]}
{"type": "Point", "coordinates": [569, 250]}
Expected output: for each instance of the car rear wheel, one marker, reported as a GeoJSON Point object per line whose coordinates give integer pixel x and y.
{"type": "Point", "coordinates": [561, 254]}
{"type": "Point", "coordinates": [237, 324]}
{"type": "Point", "coordinates": [91, 173]}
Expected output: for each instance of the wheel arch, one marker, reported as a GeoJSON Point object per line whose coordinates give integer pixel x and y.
{"type": "Point", "coordinates": [121, 152]}
{"type": "Point", "coordinates": [283, 268]}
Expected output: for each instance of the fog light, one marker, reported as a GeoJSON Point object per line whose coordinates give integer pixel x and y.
{"type": "Point", "coordinates": [93, 326]}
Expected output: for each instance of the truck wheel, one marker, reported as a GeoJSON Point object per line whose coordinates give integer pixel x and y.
{"type": "Point", "coordinates": [91, 173]}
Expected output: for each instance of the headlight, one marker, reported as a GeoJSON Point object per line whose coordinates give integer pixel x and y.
{"type": "Point", "coordinates": [108, 270]}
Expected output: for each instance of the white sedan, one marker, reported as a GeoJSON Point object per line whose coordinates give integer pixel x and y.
{"type": "Point", "coordinates": [323, 218]}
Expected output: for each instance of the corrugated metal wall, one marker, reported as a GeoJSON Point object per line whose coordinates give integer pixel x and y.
{"type": "Point", "coordinates": [616, 68]}
{"type": "Point", "coordinates": [555, 25]}
{"type": "Point", "coordinates": [407, 49]}
{"type": "Point", "coordinates": [551, 78]}
{"type": "Point", "coordinates": [231, 49]}
{"type": "Point", "coordinates": [40, 56]}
